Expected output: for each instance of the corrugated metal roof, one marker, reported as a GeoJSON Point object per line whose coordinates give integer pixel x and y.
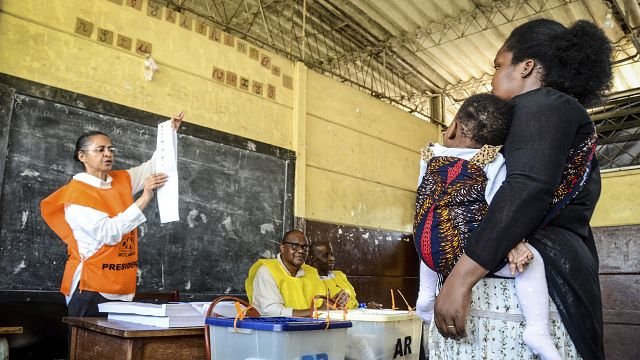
{"type": "Point", "coordinates": [404, 51]}
{"type": "Point", "coordinates": [470, 36]}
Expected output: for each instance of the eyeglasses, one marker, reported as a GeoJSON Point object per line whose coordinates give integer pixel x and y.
{"type": "Point", "coordinates": [102, 149]}
{"type": "Point", "coordinates": [297, 246]}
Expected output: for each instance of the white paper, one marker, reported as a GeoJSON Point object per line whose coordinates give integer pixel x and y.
{"type": "Point", "coordinates": [160, 321]}
{"type": "Point", "coordinates": [139, 308]}
{"type": "Point", "coordinates": [166, 162]}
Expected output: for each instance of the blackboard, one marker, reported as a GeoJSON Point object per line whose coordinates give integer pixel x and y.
{"type": "Point", "coordinates": [235, 194]}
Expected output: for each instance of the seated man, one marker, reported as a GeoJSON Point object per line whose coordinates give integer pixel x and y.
{"type": "Point", "coordinates": [321, 257]}
{"type": "Point", "coordinates": [284, 286]}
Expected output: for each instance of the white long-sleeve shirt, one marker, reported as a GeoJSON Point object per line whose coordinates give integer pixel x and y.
{"type": "Point", "coordinates": [93, 229]}
{"type": "Point", "coordinates": [266, 294]}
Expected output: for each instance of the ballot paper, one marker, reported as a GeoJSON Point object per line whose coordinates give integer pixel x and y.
{"type": "Point", "coordinates": [160, 321]}
{"type": "Point", "coordinates": [163, 315]}
{"type": "Point", "coordinates": [149, 309]}
{"type": "Point", "coordinates": [167, 162]}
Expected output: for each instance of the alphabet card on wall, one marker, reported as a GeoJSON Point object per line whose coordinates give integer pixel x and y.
{"type": "Point", "coordinates": [201, 27]}
{"type": "Point", "coordinates": [143, 47]}
{"type": "Point", "coordinates": [215, 34]}
{"type": "Point", "coordinates": [154, 9]}
{"type": "Point", "coordinates": [171, 16]}
{"type": "Point", "coordinates": [218, 74]}
{"type": "Point", "coordinates": [244, 83]}
{"type": "Point", "coordinates": [185, 22]}
{"type": "Point", "coordinates": [229, 39]}
{"type": "Point", "coordinates": [136, 4]}
{"type": "Point", "coordinates": [242, 47]}
{"type": "Point", "coordinates": [83, 27]}
{"type": "Point", "coordinates": [232, 79]}
{"type": "Point", "coordinates": [257, 87]}
{"type": "Point", "coordinates": [265, 61]}
{"type": "Point", "coordinates": [254, 54]}
{"type": "Point", "coordinates": [124, 42]}
{"type": "Point", "coordinates": [271, 92]}
{"type": "Point", "coordinates": [105, 36]}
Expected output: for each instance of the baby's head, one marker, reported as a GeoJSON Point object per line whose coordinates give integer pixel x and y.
{"type": "Point", "coordinates": [482, 119]}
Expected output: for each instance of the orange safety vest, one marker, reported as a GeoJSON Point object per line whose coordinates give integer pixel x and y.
{"type": "Point", "coordinates": [112, 269]}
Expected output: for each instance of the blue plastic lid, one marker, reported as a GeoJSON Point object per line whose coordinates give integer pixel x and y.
{"type": "Point", "coordinates": [279, 323]}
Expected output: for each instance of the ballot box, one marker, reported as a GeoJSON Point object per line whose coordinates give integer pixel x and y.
{"type": "Point", "coordinates": [381, 334]}
{"type": "Point", "coordinates": [276, 338]}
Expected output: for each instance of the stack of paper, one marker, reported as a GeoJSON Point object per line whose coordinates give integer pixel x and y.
{"type": "Point", "coordinates": [161, 315]}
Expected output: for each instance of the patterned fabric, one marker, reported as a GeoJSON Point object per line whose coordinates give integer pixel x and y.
{"type": "Point", "coordinates": [494, 328]}
{"type": "Point", "coordinates": [576, 172]}
{"type": "Point", "coordinates": [449, 206]}
{"type": "Point", "coordinates": [450, 200]}
{"type": "Point", "coordinates": [485, 155]}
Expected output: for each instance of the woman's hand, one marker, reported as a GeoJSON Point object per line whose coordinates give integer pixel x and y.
{"type": "Point", "coordinates": [177, 120]}
{"type": "Point", "coordinates": [151, 183]}
{"type": "Point", "coordinates": [451, 308]}
{"type": "Point", "coordinates": [452, 303]}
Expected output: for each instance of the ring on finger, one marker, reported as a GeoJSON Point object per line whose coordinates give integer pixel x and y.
{"type": "Point", "coordinates": [451, 326]}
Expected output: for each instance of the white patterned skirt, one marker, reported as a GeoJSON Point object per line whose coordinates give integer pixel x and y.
{"type": "Point", "coordinates": [494, 328]}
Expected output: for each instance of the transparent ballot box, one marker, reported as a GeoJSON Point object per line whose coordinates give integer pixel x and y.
{"type": "Point", "coordinates": [277, 338]}
{"type": "Point", "coordinates": [381, 334]}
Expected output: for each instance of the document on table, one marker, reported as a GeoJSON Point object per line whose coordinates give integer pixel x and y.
{"type": "Point", "coordinates": [167, 162]}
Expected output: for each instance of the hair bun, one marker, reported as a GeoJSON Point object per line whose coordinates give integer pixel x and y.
{"type": "Point", "coordinates": [579, 50]}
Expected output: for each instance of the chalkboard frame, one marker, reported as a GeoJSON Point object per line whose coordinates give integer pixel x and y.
{"type": "Point", "coordinates": [11, 86]}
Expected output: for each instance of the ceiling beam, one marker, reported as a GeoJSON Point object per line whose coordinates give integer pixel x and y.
{"type": "Point", "coordinates": [482, 18]}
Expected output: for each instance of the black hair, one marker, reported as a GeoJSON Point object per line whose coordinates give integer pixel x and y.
{"type": "Point", "coordinates": [574, 60]}
{"type": "Point", "coordinates": [83, 142]}
{"type": "Point", "coordinates": [484, 119]}
{"type": "Point", "coordinates": [317, 244]}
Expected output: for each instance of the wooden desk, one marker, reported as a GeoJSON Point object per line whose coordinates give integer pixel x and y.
{"type": "Point", "coordinates": [5, 330]}
{"type": "Point", "coordinates": [99, 338]}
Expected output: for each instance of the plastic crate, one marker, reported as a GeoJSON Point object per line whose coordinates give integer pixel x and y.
{"type": "Point", "coordinates": [277, 338]}
{"type": "Point", "coordinates": [381, 334]}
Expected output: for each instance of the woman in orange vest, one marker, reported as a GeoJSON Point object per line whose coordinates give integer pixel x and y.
{"type": "Point", "coordinates": [96, 216]}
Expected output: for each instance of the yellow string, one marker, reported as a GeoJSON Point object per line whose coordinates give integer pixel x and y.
{"type": "Point", "coordinates": [393, 300]}
{"type": "Point", "coordinates": [328, 314]}
{"type": "Point", "coordinates": [405, 300]}
{"type": "Point", "coordinates": [240, 314]}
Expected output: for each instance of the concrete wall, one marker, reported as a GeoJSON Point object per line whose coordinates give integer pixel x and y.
{"type": "Point", "coordinates": [616, 228]}
{"type": "Point", "coordinates": [362, 159]}
{"type": "Point", "coordinates": [359, 155]}
{"type": "Point", "coordinates": [618, 204]}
